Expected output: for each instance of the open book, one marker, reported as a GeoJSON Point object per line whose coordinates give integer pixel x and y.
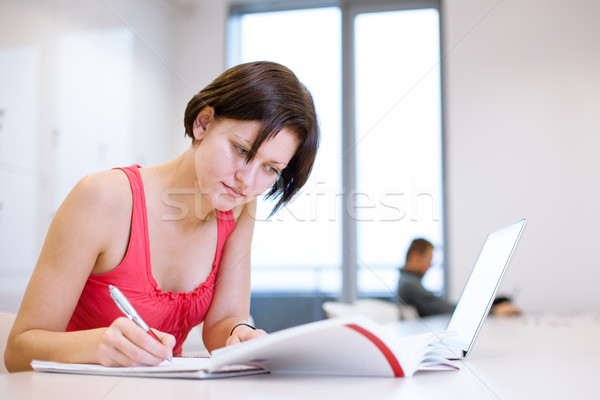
{"type": "Point", "coordinates": [352, 346]}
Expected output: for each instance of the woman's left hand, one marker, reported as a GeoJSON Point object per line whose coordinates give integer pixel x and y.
{"type": "Point", "coordinates": [243, 333]}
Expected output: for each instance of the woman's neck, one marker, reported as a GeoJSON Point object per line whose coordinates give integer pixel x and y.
{"type": "Point", "coordinates": [178, 186]}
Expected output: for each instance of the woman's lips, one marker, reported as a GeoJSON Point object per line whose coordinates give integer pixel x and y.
{"type": "Point", "coordinates": [235, 192]}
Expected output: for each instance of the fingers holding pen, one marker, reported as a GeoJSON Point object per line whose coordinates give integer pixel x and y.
{"type": "Point", "coordinates": [126, 344]}
{"type": "Point", "coordinates": [156, 348]}
{"type": "Point", "coordinates": [167, 340]}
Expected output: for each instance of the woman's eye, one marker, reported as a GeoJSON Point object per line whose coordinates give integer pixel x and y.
{"type": "Point", "coordinates": [241, 150]}
{"type": "Point", "coordinates": [272, 170]}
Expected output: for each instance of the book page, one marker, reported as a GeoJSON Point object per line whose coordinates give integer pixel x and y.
{"type": "Point", "coordinates": [424, 352]}
{"type": "Point", "coordinates": [179, 367]}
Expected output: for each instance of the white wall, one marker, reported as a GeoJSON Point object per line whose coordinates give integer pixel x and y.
{"type": "Point", "coordinates": [523, 139]}
{"type": "Point", "coordinates": [85, 86]}
{"type": "Point", "coordinates": [522, 129]}
{"type": "Point", "coordinates": [199, 50]}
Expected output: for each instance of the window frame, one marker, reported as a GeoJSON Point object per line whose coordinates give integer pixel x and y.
{"type": "Point", "coordinates": [349, 10]}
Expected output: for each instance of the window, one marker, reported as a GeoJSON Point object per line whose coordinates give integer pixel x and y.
{"type": "Point", "coordinates": [398, 141]}
{"type": "Point", "coordinates": [299, 248]}
{"type": "Point", "coordinates": [377, 182]}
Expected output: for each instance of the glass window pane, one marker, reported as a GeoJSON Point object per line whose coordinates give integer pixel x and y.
{"type": "Point", "coordinates": [398, 143]}
{"type": "Point", "coordinates": [300, 247]}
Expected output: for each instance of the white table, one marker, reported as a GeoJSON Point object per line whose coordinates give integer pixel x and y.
{"type": "Point", "coordinates": [547, 357]}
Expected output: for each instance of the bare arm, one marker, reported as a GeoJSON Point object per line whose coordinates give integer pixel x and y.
{"type": "Point", "coordinates": [231, 301]}
{"type": "Point", "coordinates": [78, 237]}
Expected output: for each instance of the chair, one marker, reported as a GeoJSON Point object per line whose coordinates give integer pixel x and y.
{"type": "Point", "coordinates": [407, 312]}
{"type": "Point", "coordinates": [335, 309]}
{"type": "Point", "coordinates": [6, 323]}
{"type": "Point", "coordinates": [380, 311]}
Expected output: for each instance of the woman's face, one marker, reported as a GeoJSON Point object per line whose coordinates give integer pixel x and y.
{"type": "Point", "coordinates": [224, 177]}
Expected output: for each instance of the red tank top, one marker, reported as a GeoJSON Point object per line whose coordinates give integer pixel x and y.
{"type": "Point", "coordinates": [175, 313]}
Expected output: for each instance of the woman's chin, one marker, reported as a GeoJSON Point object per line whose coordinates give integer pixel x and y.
{"type": "Point", "coordinates": [227, 203]}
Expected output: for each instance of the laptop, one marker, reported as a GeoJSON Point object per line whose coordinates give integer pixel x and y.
{"type": "Point", "coordinates": [479, 292]}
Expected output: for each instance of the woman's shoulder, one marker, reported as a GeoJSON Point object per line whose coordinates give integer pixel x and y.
{"type": "Point", "coordinates": [98, 206]}
{"type": "Point", "coordinates": [103, 198]}
{"type": "Point", "coordinates": [105, 188]}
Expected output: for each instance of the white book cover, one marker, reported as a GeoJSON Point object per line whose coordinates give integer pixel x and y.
{"type": "Point", "coordinates": [352, 346]}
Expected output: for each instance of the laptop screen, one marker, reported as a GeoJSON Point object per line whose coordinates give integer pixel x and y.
{"type": "Point", "coordinates": [478, 294]}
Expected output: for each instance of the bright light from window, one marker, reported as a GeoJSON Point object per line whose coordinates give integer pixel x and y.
{"type": "Point", "coordinates": [300, 247]}
{"type": "Point", "coordinates": [398, 147]}
{"type": "Point", "coordinates": [398, 143]}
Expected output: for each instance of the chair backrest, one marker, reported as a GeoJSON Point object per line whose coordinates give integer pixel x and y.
{"type": "Point", "coordinates": [380, 311]}
{"type": "Point", "coordinates": [334, 309]}
{"type": "Point", "coordinates": [408, 313]}
{"type": "Point", "coordinates": [6, 323]}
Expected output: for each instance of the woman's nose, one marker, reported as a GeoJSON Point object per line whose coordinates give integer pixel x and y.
{"type": "Point", "coordinates": [246, 173]}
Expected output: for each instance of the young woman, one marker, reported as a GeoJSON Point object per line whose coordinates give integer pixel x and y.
{"type": "Point", "coordinates": [175, 238]}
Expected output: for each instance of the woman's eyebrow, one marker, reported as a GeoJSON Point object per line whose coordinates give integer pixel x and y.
{"type": "Point", "coordinates": [249, 144]}
{"type": "Point", "coordinates": [242, 139]}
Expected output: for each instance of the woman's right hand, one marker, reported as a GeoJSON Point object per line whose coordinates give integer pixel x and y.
{"type": "Point", "coordinates": [125, 344]}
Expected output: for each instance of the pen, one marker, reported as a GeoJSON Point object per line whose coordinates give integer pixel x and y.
{"type": "Point", "coordinates": [127, 309]}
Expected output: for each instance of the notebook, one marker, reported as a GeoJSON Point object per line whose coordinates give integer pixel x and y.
{"type": "Point", "coordinates": [479, 292]}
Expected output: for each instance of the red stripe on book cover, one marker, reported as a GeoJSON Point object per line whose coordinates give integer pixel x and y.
{"type": "Point", "coordinates": [389, 356]}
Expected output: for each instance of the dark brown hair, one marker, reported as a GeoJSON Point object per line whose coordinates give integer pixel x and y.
{"type": "Point", "coordinates": [272, 94]}
{"type": "Point", "coordinates": [418, 246]}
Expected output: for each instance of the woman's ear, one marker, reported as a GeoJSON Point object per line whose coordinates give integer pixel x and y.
{"type": "Point", "coordinates": [203, 119]}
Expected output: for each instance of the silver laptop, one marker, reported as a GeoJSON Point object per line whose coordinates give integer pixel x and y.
{"type": "Point", "coordinates": [478, 294]}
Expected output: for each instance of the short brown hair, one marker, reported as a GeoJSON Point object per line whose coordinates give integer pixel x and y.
{"type": "Point", "coordinates": [420, 246]}
{"type": "Point", "coordinates": [272, 94]}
